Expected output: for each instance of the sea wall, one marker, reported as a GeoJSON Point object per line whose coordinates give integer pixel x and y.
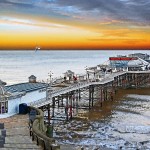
{"type": "Point", "coordinates": [38, 130]}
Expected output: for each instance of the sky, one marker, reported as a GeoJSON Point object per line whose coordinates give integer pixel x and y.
{"type": "Point", "coordinates": [74, 24]}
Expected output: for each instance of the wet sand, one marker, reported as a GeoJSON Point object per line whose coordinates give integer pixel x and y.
{"type": "Point", "coordinates": [120, 124]}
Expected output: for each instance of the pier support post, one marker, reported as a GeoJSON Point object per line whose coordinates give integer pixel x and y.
{"type": "Point", "coordinates": [89, 97]}
{"type": "Point", "coordinates": [71, 99]}
{"type": "Point", "coordinates": [117, 81]}
{"type": "Point", "coordinates": [104, 93]}
{"type": "Point", "coordinates": [48, 114]}
{"type": "Point", "coordinates": [92, 95]}
{"type": "Point", "coordinates": [112, 91]}
{"type": "Point", "coordinates": [58, 101]}
{"type": "Point", "coordinates": [66, 108]}
{"type": "Point", "coordinates": [53, 110]}
{"type": "Point", "coordinates": [136, 80]}
{"type": "Point", "coordinates": [77, 100]}
{"type": "Point", "coordinates": [62, 100]}
{"type": "Point", "coordinates": [101, 99]}
{"type": "Point", "coordinates": [79, 94]}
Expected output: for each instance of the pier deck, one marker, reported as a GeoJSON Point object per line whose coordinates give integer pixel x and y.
{"type": "Point", "coordinates": [76, 93]}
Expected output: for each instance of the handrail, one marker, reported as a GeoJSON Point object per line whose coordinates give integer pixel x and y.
{"type": "Point", "coordinates": [38, 131]}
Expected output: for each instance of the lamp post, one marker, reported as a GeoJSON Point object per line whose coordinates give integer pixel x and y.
{"type": "Point", "coordinates": [87, 74]}
{"type": "Point", "coordinates": [49, 96]}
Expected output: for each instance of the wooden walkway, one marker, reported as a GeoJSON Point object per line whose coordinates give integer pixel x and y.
{"type": "Point", "coordinates": [73, 87]}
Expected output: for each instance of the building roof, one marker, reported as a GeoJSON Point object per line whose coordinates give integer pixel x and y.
{"type": "Point", "coordinates": [33, 77]}
{"type": "Point", "coordinates": [26, 87]}
{"type": "Point", "coordinates": [2, 83]}
{"type": "Point", "coordinates": [69, 72]}
{"type": "Point", "coordinates": [137, 63]}
{"type": "Point", "coordinates": [2, 90]}
{"type": "Point", "coordinates": [122, 58]}
{"type": "Point", "coordinates": [92, 68]}
{"type": "Point", "coordinates": [138, 54]}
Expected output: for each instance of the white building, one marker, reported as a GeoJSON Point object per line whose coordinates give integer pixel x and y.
{"type": "Point", "coordinates": [96, 73]}
{"type": "Point", "coordinates": [68, 75]}
{"type": "Point", "coordinates": [13, 95]}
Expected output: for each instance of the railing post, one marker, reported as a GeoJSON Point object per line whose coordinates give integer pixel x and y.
{"type": "Point", "coordinates": [37, 141]}
{"type": "Point", "coordinates": [32, 136]}
{"type": "Point", "coordinates": [44, 146]}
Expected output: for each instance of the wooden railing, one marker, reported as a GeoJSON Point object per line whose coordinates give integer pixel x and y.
{"type": "Point", "coordinates": [38, 130]}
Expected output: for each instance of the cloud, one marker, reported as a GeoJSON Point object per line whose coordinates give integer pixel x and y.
{"type": "Point", "coordinates": [129, 10]}
{"type": "Point", "coordinates": [18, 21]}
{"type": "Point", "coordinates": [100, 11]}
{"type": "Point", "coordinates": [18, 3]}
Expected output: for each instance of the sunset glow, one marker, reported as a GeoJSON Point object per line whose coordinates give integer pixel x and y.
{"type": "Point", "coordinates": [70, 25]}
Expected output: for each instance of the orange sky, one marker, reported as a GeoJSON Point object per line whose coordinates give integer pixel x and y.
{"type": "Point", "coordinates": [26, 31]}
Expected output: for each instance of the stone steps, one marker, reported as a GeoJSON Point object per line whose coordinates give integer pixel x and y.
{"type": "Point", "coordinates": [2, 141]}
{"type": "Point", "coordinates": [16, 134]}
{"type": "Point", "coordinates": [16, 125]}
{"type": "Point", "coordinates": [18, 139]}
{"type": "Point", "coordinates": [14, 131]}
{"type": "Point", "coordinates": [2, 135]}
{"type": "Point", "coordinates": [10, 148]}
{"type": "Point", "coordinates": [22, 146]}
{"type": "Point", "coordinates": [1, 125]}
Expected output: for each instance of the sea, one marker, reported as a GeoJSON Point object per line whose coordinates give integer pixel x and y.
{"type": "Point", "coordinates": [17, 66]}
{"type": "Point", "coordinates": [121, 124]}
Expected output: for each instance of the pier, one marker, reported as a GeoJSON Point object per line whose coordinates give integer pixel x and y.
{"type": "Point", "coordinates": [83, 95]}
{"type": "Point", "coordinates": [65, 101]}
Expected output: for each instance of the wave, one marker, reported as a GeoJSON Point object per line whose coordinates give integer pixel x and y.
{"type": "Point", "coordinates": [137, 96]}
